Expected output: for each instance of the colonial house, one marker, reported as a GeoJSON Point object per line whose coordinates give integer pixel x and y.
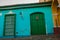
{"type": "Point", "coordinates": [26, 19]}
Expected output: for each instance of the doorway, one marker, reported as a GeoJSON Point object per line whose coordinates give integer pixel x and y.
{"type": "Point", "coordinates": [37, 21]}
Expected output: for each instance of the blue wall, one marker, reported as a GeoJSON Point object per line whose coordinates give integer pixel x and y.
{"type": "Point", "coordinates": [23, 24]}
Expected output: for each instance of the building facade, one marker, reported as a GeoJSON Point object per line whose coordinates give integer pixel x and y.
{"type": "Point", "coordinates": [26, 20]}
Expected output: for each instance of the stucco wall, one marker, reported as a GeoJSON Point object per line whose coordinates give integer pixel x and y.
{"type": "Point", "coordinates": [58, 11]}
{"type": "Point", "coordinates": [23, 24]}
{"type": "Point", "coordinates": [54, 11]}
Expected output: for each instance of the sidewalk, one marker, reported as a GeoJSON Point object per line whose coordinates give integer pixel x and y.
{"type": "Point", "coordinates": [36, 37]}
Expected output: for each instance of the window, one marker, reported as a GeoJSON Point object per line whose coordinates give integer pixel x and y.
{"type": "Point", "coordinates": [9, 25]}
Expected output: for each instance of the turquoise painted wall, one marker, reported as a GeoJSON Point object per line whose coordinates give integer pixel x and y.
{"type": "Point", "coordinates": [23, 24]}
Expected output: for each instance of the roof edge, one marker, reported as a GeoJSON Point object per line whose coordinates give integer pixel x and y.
{"type": "Point", "coordinates": [26, 5]}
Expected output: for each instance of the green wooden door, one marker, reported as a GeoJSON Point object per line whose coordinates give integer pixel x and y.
{"type": "Point", "coordinates": [9, 25]}
{"type": "Point", "coordinates": [37, 24]}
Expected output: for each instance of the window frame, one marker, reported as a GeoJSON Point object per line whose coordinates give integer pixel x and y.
{"type": "Point", "coordinates": [7, 15]}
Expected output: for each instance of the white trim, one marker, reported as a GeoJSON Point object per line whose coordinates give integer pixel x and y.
{"type": "Point", "coordinates": [10, 12]}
